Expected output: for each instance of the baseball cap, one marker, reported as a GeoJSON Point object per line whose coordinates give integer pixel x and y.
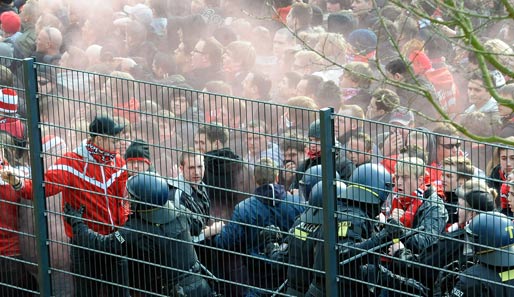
{"type": "Point", "coordinates": [103, 125]}
{"type": "Point", "coordinates": [402, 116]}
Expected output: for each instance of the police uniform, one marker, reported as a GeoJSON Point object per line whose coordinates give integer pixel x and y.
{"type": "Point", "coordinates": [158, 236]}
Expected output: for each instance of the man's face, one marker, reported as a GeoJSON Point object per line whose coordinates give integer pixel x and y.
{"type": "Point", "coordinates": [294, 155]}
{"type": "Point", "coordinates": [42, 41]}
{"type": "Point", "coordinates": [179, 104]}
{"type": "Point", "coordinates": [406, 184]}
{"type": "Point", "coordinates": [281, 43]}
{"type": "Point", "coordinates": [199, 59]}
{"type": "Point", "coordinates": [361, 6]}
{"type": "Point", "coordinates": [249, 89]}
{"type": "Point", "coordinates": [477, 94]}
{"type": "Point", "coordinates": [449, 178]}
{"type": "Point", "coordinates": [447, 147]}
{"type": "Point", "coordinates": [314, 145]}
{"type": "Point", "coordinates": [344, 124]}
{"type": "Point", "coordinates": [356, 152]}
{"type": "Point", "coordinates": [230, 62]}
{"type": "Point", "coordinates": [193, 169]}
{"type": "Point", "coordinates": [345, 82]}
{"type": "Point", "coordinates": [109, 144]}
{"type": "Point", "coordinates": [202, 144]}
{"type": "Point", "coordinates": [135, 167]}
{"type": "Point", "coordinates": [256, 141]}
{"type": "Point", "coordinates": [506, 160]}
{"type": "Point", "coordinates": [333, 7]}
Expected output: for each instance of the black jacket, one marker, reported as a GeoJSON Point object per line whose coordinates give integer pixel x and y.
{"type": "Point", "coordinates": [166, 246]}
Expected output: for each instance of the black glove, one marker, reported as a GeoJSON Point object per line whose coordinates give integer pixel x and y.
{"type": "Point", "coordinates": [270, 236]}
{"type": "Point", "coordinates": [394, 229]}
{"type": "Point", "coordinates": [74, 216]}
{"type": "Point", "coordinates": [379, 276]}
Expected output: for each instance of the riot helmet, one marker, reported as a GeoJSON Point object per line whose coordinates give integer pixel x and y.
{"type": "Point", "coordinates": [316, 197]}
{"type": "Point", "coordinates": [310, 177]}
{"type": "Point", "coordinates": [149, 189]}
{"type": "Point", "coordinates": [493, 236]}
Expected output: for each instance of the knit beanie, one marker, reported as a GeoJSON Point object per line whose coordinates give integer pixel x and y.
{"type": "Point", "coordinates": [8, 101]}
{"type": "Point", "coordinates": [480, 200]}
{"type": "Point", "coordinates": [138, 150]}
{"type": "Point", "coordinates": [11, 22]}
{"type": "Point", "coordinates": [363, 41]}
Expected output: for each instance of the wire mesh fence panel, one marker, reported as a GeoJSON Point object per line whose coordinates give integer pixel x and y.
{"type": "Point", "coordinates": [160, 190]}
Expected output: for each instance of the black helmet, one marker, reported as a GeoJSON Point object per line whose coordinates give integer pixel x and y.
{"type": "Point", "coordinates": [310, 177]}
{"type": "Point", "coordinates": [316, 198]}
{"type": "Point", "coordinates": [315, 129]}
{"type": "Point", "coordinates": [491, 231]}
{"type": "Point", "coordinates": [149, 189]}
{"type": "Point", "coordinates": [369, 183]}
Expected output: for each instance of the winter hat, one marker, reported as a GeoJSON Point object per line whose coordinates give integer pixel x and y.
{"type": "Point", "coordinates": [363, 41]}
{"type": "Point", "coordinates": [138, 150]}
{"type": "Point", "coordinates": [140, 13]}
{"type": "Point", "coordinates": [11, 22]}
{"type": "Point", "coordinates": [53, 145]}
{"type": "Point", "coordinates": [8, 101]}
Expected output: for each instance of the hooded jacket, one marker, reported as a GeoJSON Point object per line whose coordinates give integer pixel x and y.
{"type": "Point", "coordinates": [84, 181]}
{"type": "Point", "coordinates": [268, 206]}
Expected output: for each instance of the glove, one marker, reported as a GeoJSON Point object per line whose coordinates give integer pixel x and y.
{"type": "Point", "coordinates": [74, 216]}
{"type": "Point", "coordinates": [270, 236]}
{"type": "Point", "coordinates": [392, 229]}
{"type": "Point", "coordinates": [387, 278]}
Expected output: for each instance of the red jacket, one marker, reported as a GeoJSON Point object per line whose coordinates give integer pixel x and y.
{"type": "Point", "coordinates": [84, 181]}
{"type": "Point", "coordinates": [9, 237]}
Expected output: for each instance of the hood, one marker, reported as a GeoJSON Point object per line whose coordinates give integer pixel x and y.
{"type": "Point", "coordinates": [221, 160]}
{"type": "Point", "coordinates": [274, 191]}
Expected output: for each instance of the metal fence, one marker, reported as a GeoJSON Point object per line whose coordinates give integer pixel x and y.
{"type": "Point", "coordinates": [330, 243]}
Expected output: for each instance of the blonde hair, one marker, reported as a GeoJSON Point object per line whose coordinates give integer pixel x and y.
{"type": "Point", "coordinates": [411, 166]}
{"type": "Point", "coordinates": [265, 172]}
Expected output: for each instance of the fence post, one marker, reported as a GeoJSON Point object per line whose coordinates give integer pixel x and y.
{"type": "Point", "coordinates": [329, 199]}
{"type": "Point", "coordinates": [37, 172]}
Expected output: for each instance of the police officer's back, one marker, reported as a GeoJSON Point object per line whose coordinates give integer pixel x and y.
{"type": "Point", "coordinates": [157, 232]}
{"type": "Point", "coordinates": [493, 274]}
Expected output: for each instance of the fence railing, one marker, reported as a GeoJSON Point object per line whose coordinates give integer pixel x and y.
{"type": "Point", "coordinates": [231, 137]}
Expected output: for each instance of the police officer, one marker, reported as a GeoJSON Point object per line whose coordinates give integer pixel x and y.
{"type": "Point", "coordinates": [305, 233]}
{"type": "Point", "coordinates": [369, 187]}
{"type": "Point", "coordinates": [493, 274]}
{"type": "Point", "coordinates": [309, 179]}
{"type": "Point", "coordinates": [157, 232]}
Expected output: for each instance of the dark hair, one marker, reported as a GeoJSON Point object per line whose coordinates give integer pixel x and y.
{"type": "Point", "coordinates": [397, 66]}
{"type": "Point", "coordinates": [342, 22]}
{"type": "Point", "coordinates": [293, 78]}
{"type": "Point", "coordinates": [214, 133]}
{"type": "Point", "coordinates": [328, 94]}
{"type": "Point", "coordinates": [263, 84]}
{"type": "Point", "coordinates": [166, 62]}
{"type": "Point", "coordinates": [313, 83]}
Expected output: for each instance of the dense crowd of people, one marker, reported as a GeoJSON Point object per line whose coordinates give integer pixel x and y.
{"type": "Point", "coordinates": [182, 146]}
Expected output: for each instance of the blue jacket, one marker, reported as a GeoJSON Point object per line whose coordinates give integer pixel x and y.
{"type": "Point", "coordinates": [270, 205]}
